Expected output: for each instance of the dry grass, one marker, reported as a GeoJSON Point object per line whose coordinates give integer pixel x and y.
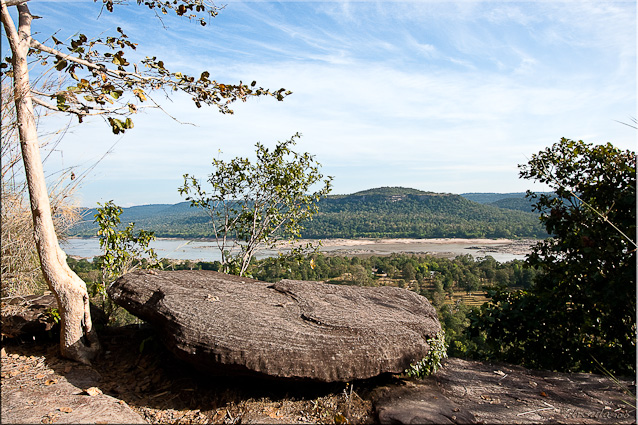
{"type": "Point", "coordinates": [21, 274]}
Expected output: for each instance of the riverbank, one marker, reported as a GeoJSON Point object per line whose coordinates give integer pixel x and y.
{"type": "Point", "coordinates": [501, 250]}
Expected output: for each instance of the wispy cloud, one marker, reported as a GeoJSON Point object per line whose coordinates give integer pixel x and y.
{"type": "Point", "coordinates": [435, 95]}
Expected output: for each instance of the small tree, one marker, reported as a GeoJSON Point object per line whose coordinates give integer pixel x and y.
{"type": "Point", "coordinates": [258, 204]}
{"type": "Point", "coordinates": [123, 251]}
{"type": "Point", "coordinates": [581, 307]}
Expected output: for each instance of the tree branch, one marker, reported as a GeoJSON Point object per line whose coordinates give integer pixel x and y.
{"type": "Point", "coordinates": [10, 29]}
{"type": "Point", "coordinates": [81, 112]}
{"type": "Point", "coordinates": [116, 73]}
{"type": "Point", "coordinates": [10, 3]}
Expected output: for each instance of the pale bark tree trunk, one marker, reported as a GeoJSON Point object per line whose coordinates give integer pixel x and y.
{"type": "Point", "coordinates": [78, 340]}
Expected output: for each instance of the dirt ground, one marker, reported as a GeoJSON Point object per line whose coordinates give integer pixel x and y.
{"type": "Point", "coordinates": [137, 372]}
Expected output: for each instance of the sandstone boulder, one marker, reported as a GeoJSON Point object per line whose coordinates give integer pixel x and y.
{"type": "Point", "coordinates": [291, 329]}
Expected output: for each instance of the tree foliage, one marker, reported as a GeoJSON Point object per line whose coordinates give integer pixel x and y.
{"type": "Point", "coordinates": [107, 84]}
{"type": "Point", "coordinates": [581, 308]}
{"type": "Point", "coordinates": [260, 203]}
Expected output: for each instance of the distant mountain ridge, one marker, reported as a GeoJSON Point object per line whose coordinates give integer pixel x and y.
{"type": "Point", "coordinates": [511, 201]}
{"type": "Point", "coordinates": [489, 197]}
{"type": "Point", "coordinates": [385, 212]}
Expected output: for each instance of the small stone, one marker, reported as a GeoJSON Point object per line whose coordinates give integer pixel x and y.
{"type": "Point", "coordinates": [93, 391]}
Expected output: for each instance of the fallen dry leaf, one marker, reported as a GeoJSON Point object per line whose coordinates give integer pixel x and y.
{"type": "Point", "coordinates": [50, 381]}
{"type": "Point", "coordinates": [50, 418]}
{"type": "Point", "coordinates": [543, 393]}
{"type": "Point", "coordinates": [65, 409]}
{"type": "Point", "coordinates": [340, 419]}
{"type": "Point", "coordinates": [93, 391]}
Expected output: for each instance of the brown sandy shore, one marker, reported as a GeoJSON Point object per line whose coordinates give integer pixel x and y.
{"type": "Point", "coordinates": [446, 247]}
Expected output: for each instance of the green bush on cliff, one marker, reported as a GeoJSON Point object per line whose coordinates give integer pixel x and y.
{"type": "Point", "coordinates": [429, 364]}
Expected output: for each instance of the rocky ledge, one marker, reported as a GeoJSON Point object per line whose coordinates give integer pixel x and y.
{"type": "Point", "coordinates": [291, 329]}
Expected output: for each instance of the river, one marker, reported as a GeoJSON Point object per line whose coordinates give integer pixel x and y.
{"type": "Point", "coordinates": [501, 250]}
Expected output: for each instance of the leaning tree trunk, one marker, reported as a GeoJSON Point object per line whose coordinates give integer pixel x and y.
{"type": "Point", "coordinates": [78, 340]}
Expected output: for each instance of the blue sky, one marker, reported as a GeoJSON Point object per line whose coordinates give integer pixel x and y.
{"type": "Point", "coordinates": [438, 96]}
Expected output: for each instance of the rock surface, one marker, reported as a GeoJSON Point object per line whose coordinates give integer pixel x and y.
{"type": "Point", "coordinates": [465, 391]}
{"type": "Point", "coordinates": [291, 329]}
{"type": "Point", "coordinates": [30, 315]}
{"type": "Point", "coordinates": [419, 404]}
{"type": "Point", "coordinates": [37, 390]}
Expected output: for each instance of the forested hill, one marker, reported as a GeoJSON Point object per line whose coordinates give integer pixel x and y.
{"type": "Point", "coordinates": [388, 212]}
{"type": "Point", "coordinates": [409, 213]}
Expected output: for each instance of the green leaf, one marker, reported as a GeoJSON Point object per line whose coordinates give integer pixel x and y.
{"type": "Point", "coordinates": [60, 64]}
{"type": "Point", "coordinates": [61, 103]}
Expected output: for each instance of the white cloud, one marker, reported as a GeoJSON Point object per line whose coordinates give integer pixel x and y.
{"type": "Point", "coordinates": [449, 97]}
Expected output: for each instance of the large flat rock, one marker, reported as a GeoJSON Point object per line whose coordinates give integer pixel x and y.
{"type": "Point", "coordinates": [466, 392]}
{"type": "Point", "coordinates": [291, 329]}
